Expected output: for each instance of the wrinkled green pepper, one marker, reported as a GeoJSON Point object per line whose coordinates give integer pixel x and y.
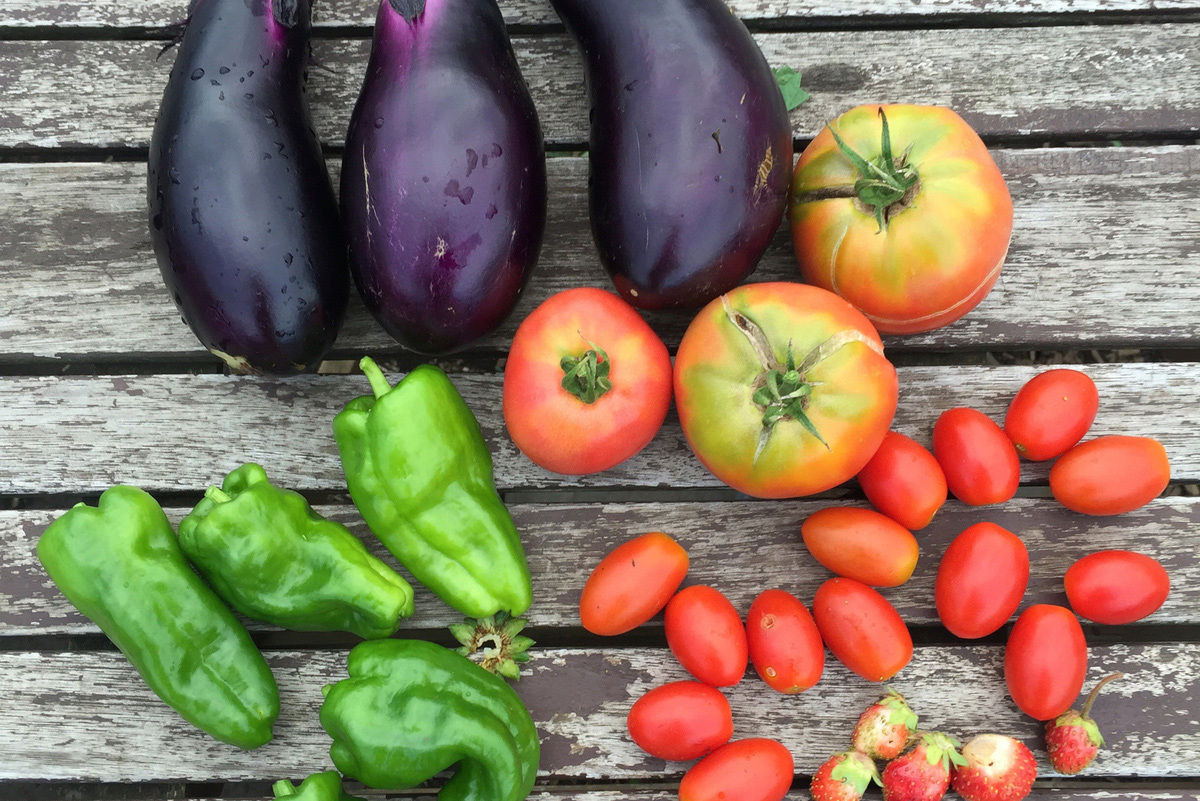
{"type": "Point", "coordinates": [421, 475]}
{"type": "Point", "coordinates": [271, 557]}
{"type": "Point", "coordinates": [325, 786]}
{"type": "Point", "coordinates": [411, 709]}
{"type": "Point", "coordinates": [120, 565]}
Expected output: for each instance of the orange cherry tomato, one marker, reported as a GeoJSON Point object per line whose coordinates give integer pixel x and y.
{"type": "Point", "coordinates": [981, 580]}
{"type": "Point", "coordinates": [755, 769]}
{"type": "Point", "coordinates": [861, 544]}
{"type": "Point", "coordinates": [785, 646]}
{"type": "Point", "coordinates": [632, 584]}
{"type": "Point", "coordinates": [706, 635]}
{"type": "Point", "coordinates": [904, 481]}
{"type": "Point", "coordinates": [1045, 661]}
{"type": "Point", "coordinates": [1116, 587]}
{"type": "Point", "coordinates": [1110, 475]}
{"type": "Point", "coordinates": [862, 629]}
{"type": "Point", "coordinates": [978, 458]}
{"type": "Point", "coordinates": [1051, 413]}
{"type": "Point", "coordinates": [680, 721]}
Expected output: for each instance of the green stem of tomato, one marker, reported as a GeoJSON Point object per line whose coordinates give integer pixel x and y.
{"type": "Point", "coordinates": [886, 185]}
{"type": "Point", "coordinates": [586, 376]}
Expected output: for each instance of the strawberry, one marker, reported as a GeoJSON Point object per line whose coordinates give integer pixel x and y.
{"type": "Point", "coordinates": [843, 777]}
{"type": "Point", "coordinates": [883, 730]}
{"type": "Point", "coordinates": [923, 774]}
{"type": "Point", "coordinates": [998, 768]}
{"type": "Point", "coordinates": [1073, 739]}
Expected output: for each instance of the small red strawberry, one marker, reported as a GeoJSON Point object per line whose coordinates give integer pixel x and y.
{"type": "Point", "coordinates": [1073, 739]}
{"type": "Point", "coordinates": [923, 774]}
{"type": "Point", "coordinates": [883, 730]}
{"type": "Point", "coordinates": [998, 769]}
{"type": "Point", "coordinates": [843, 777]}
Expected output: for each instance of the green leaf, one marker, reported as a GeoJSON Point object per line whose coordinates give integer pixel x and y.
{"type": "Point", "coordinates": [463, 632]}
{"type": "Point", "coordinates": [789, 86]}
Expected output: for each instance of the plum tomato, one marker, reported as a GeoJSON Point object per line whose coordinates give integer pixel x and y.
{"type": "Point", "coordinates": [632, 584]}
{"type": "Point", "coordinates": [1045, 661]}
{"type": "Point", "coordinates": [978, 458]}
{"type": "Point", "coordinates": [861, 544]}
{"type": "Point", "coordinates": [680, 721]}
{"type": "Point", "coordinates": [587, 383]}
{"type": "Point", "coordinates": [706, 635]}
{"type": "Point", "coordinates": [754, 769]}
{"type": "Point", "coordinates": [981, 580]}
{"type": "Point", "coordinates": [1116, 587]}
{"type": "Point", "coordinates": [862, 629]}
{"type": "Point", "coordinates": [1051, 413]}
{"type": "Point", "coordinates": [904, 481]}
{"type": "Point", "coordinates": [785, 646]}
{"type": "Point", "coordinates": [1110, 475]}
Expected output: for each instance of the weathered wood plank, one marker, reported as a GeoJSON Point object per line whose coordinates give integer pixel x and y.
{"type": "Point", "coordinates": [1076, 80]}
{"type": "Point", "coordinates": [181, 432]}
{"type": "Point", "coordinates": [85, 715]}
{"type": "Point", "coordinates": [644, 794]}
{"type": "Point", "coordinates": [1103, 252]}
{"type": "Point", "coordinates": [739, 547]}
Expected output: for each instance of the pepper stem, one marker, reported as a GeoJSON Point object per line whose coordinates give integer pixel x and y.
{"type": "Point", "coordinates": [379, 382]}
{"type": "Point", "coordinates": [494, 643]}
{"type": "Point", "coordinates": [1095, 693]}
{"type": "Point", "coordinates": [218, 495]}
{"type": "Point", "coordinates": [283, 788]}
{"type": "Point", "coordinates": [586, 376]}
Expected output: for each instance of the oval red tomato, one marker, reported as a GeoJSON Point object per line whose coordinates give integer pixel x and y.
{"type": "Point", "coordinates": [862, 629]}
{"type": "Point", "coordinates": [904, 481]}
{"type": "Point", "coordinates": [680, 721]}
{"type": "Point", "coordinates": [755, 769]}
{"type": "Point", "coordinates": [1116, 587]}
{"type": "Point", "coordinates": [981, 580]}
{"type": "Point", "coordinates": [785, 646]}
{"type": "Point", "coordinates": [1111, 475]}
{"type": "Point", "coordinates": [617, 390]}
{"type": "Point", "coordinates": [1045, 661]}
{"type": "Point", "coordinates": [978, 458]}
{"type": "Point", "coordinates": [1051, 413]}
{"type": "Point", "coordinates": [706, 635]}
{"type": "Point", "coordinates": [632, 584]}
{"type": "Point", "coordinates": [861, 544]}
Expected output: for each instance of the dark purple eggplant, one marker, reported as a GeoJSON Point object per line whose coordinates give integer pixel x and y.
{"type": "Point", "coordinates": [242, 212]}
{"type": "Point", "coordinates": [444, 176]}
{"type": "Point", "coordinates": [691, 147]}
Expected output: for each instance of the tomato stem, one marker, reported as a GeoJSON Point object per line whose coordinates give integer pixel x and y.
{"type": "Point", "coordinates": [885, 185]}
{"type": "Point", "coordinates": [586, 376]}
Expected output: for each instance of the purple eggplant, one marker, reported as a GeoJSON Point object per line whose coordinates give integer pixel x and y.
{"type": "Point", "coordinates": [444, 175]}
{"type": "Point", "coordinates": [242, 212]}
{"type": "Point", "coordinates": [691, 147]}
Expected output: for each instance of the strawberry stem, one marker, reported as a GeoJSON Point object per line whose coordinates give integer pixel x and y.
{"type": "Point", "coordinates": [1091, 699]}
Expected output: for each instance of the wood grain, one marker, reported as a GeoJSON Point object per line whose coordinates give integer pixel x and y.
{"type": "Point", "coordinates": [643, 793]}
{"type": "Point", "coordinates": [1080, 81]}
{"type": "Point", "coordinates": [1103, 253]}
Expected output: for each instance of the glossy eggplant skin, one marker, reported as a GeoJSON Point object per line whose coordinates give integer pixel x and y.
{"type": "Point", "coordinates": [444, 177]}
{"type": "Point", "coordinates": [691, 147]}
{"type": "Point", "coordinates": [242, 212]}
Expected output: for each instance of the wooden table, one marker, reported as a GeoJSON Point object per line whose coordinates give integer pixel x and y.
{"type": "Point", "coordinates": [1092, 109]}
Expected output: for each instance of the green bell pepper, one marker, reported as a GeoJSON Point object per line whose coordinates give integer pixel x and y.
{"type": "Point", "coordinates": [411, 709]}
{"type": "Point", "coordinates": [421, 475]}
{"type": "Point", "coordinates": [120, 565]}
{"type": "Point", "coordinates": [271, 557]}
{"type": "Point", "coordinates": [325, 786]}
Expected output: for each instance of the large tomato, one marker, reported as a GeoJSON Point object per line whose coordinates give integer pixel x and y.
{"type": "Point", "coordinates": [783, 389]}
{"type": "Point", "coordinates": [1110, 475]}
{"type": "Point", "coordinates": [1116, 587]}
{"type": "Point", "coordinates": [861, 544]}
{"type": "Point", "coordinates": [680, 721]}
{"type": "Point", "coordinates": [981, 580]}
{"type": "Point", "coordinates": [916, 232]}
{"type": "Point", "coordinates": [863, 630]}
{"type": "Point", "coordinates": [785, 646]}
{"type": "Point", "coordinates": [587, 383]}
{"type": "Point", "coordinates": [755, 769]}
{"type": "Point", "coordinates": [632, 584]}
{"type": "Point", "coordinates": [1045, 661]}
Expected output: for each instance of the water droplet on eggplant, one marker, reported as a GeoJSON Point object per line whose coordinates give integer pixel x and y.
{"type": "Point", "coordinates": [379, 122]}
{"type": "Point", "coordinates": [197, 74]}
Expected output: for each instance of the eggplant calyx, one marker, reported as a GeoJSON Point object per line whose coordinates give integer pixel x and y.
{"type": "Point", "coordinates": [887, 185]}
{"type": "Point", "coordinates": [286, 12]}
{"type": "Point", "coordinates": [495, 643]}
{"type": "Point", "coordinates": [586, 376]}
{"type": "Point", "coordinates": [409, 9]}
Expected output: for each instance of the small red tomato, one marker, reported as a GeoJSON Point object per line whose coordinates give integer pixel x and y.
{"type": "Point", "coordinates": [981, 580]}
{"type": "Point", "coordinates": [706, 635]}
{"type": "Point", "coordinates": [1045, 661]}
{"type": "Point", "coordinates": [904, 481]}
{"type": "Point", "coordinates": [785, 646]}
{"type": "Point", "coordinates": [1111, 475]}
{"type": "Point", "coordinates": [978, 458]}
{"type": "Point", "coordinates": [681, 721]}
{"type": "Point", "coordinates": [745, 770]}
{"type": "Point", "coordinates": [1051, 413]}
{"type": "Point", "coordinates": [861, 544]}
{"type": "Point", "coordinates": [1116, 587]}
{"type": "Point", "coordinates": [632, 584]}
{"type": "Point", "coordinates": [863, 630]}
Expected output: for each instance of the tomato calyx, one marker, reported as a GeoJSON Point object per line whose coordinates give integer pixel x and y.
{"type": "Point", "coordinates": [886, 186]}
{"type": "Point", "coordinates": [586, 376]}
{"type": "Point", "coordinates": [495, 643]}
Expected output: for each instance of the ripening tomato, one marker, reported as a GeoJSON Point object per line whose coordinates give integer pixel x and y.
{"type": "Point", "coordinates": [981, 580]}
{"type": "Point", "coordinates": [755, 769]}
{"type": "Point", "coordinates": [904, 481]}
{"type": "Point", "coordinates": [862, 629]}
{"type": "Point", "coordinates": [680, 721]}
{"type": "Point", "coordinates": [632, 584]}
{"type": "Point", "coordinates": [1051, 413]}
{"type": "Point", "coordinates": [706, 635]}
{"type": "Point", "coordinates": [915, 255]}
{"type": "Point", "coordinates": [1116, 587]}
{"type": "Point", "coordinates": [1111, 475]}
{"type": "Point", "coordinates": [1045, 661]}
{"type": "Point", "coordinates": [587, 383]}
{"type": "Point", "coordinates": [785, 646]}
{"type": "Point", "coordinates": [861, 544]}
{"type": "Point", "coordinates": [978, 458]}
